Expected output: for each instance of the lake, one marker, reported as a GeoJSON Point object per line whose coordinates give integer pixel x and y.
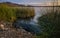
{"type": "Point", "coordinates": [31, 24]}
{"type": "Point", "coordinates": [39, 11]}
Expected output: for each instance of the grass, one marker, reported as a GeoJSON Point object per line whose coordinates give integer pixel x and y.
{"type": "Point", "coordinates": [24, 12]}
{"type": "Point", "coordinates": [8, 13]}
{"type": "Point", "coordinates": [50, 24]}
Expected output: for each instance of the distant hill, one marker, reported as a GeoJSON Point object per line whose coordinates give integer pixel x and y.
{"type": "Point", "coordinates": [12, 4]}
{"type": "Point", "coordinates": [22, 5]}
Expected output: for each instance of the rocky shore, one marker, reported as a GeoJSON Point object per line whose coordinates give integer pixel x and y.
{"type": "Point", "coordinates": [10, 32]}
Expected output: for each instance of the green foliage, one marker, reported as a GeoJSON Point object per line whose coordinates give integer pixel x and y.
{"type": "Point", "coordinates": [50, 24]}
{"type": "Point", "coordinates": [8, 13]}
{"type": "Point", "coordinates": [24, 12]}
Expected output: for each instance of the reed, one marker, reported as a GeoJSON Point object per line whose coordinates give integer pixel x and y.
{"type": "Point", "coordinates": [50, 24]}
{"type": "Point", "coordinates": [8, 13]}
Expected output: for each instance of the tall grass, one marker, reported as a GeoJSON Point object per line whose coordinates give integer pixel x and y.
{"type": "Point", "coordinates": [24, 12]}
{"type": "Point", "coordinates": [8, 13]}
{"type": "Point", "coordinates": [50, 24]}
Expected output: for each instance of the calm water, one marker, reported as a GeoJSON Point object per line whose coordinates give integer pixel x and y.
{"type": "Point", "coordinates": [39, 11]}
{"type": "Point", "coordinates": [31, 24]}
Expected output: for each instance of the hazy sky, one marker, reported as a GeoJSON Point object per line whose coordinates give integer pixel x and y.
{"type": "Point", "coordinates": [28, 1]}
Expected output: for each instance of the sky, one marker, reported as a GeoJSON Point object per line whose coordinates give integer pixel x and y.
{"type": "Point", "coordinates": [27, 1]}
{"type": "Point", "coordinates": [30, 1]}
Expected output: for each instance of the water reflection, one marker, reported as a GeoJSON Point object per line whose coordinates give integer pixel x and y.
{"type": "Point", "coordinates": [39, 11]}
{"type": "Point", "coordinates": [31, 24]}
{"type": "Point", "coordinates": [27, 24]}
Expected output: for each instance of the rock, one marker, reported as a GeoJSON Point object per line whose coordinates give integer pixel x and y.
{"type": "Point", "coordinates": [13, 33]}
{"type": "Point", "coordinates": [2, 26]}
